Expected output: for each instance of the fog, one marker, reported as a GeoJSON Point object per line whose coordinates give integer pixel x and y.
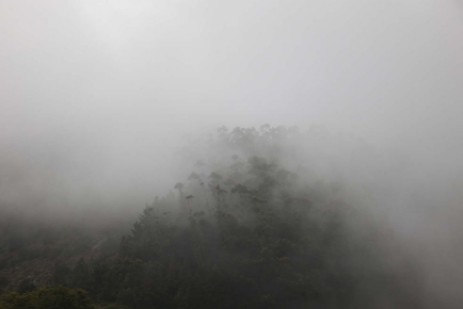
{"type": "Point", "coordinates": [98, 100]}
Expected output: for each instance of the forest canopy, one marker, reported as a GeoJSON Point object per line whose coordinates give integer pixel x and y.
{"type": "Point", "coordinates": [246, 228]}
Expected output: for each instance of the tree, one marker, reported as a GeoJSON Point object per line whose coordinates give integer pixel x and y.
{"type": "Point", "coordinates": [47, 298]}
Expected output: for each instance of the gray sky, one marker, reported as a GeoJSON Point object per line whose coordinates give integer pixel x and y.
{"type": "Point", "coordinates": [110, 84]}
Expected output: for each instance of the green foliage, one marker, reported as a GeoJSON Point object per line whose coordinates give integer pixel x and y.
{"type": "Point", "coordinates": [47, 298]}
{"type": "Point", "coordinates": [253, 236]}
{"type": "Point", "coordinates": [243, 231]}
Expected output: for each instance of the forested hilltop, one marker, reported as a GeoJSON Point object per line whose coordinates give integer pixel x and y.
{"type": "Point", "coordinates": [247, 228]}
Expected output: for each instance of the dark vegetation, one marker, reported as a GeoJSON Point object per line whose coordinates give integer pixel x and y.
{"type": "Point", "coordinates": [244, 230]}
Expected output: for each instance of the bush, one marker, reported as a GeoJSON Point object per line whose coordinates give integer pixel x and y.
{"type": "Point", "coordinates": [47, 298]}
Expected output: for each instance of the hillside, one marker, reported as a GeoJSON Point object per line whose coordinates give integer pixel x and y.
{"type": "Point", "coordinates": [243, 230]}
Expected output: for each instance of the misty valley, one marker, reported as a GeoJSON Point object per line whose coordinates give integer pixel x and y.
{"type": "Point", "coordinates": [248, 227]}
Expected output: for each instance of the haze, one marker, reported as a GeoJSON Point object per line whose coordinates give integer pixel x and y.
{"type": "Point", "coordinates": [98, 97]}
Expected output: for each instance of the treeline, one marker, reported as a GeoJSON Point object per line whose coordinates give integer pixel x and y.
{"type": "Point", "coordinates": [242, 231]}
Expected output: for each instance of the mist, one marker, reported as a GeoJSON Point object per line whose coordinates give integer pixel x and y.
{"type": "Point", "coordinates": [103, 105]}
